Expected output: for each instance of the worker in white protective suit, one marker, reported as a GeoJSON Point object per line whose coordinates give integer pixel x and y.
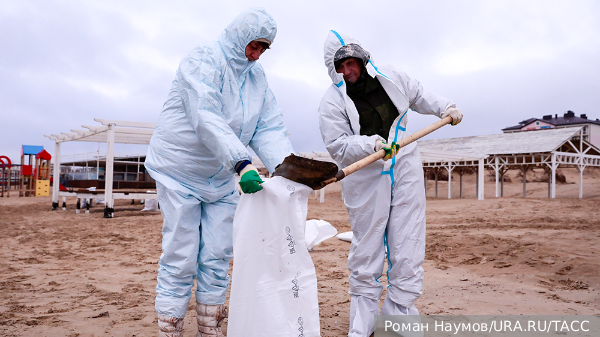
{"type": "Point", "coordinates": [366, 110]}
{"type": "Point", "coordinates": [219, 103]}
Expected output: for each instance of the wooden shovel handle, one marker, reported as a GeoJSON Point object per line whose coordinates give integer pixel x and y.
{"type": "Point", "coordinates": [381, 153]}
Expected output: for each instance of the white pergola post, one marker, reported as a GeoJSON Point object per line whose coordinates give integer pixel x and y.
{"type": "Point", "coordinates": [548, 170]}
{"type": "Point", "coordinates": [322, 195]}
{"type": "Point", "coordinates": [436, 182]}
{"type": "Point", "coordinates": [496, 169]}
{"type": "Point", "coordinates": [449, 183]}
{"type": "Point", "coordinates": [449, 168]}
{"type": "Point", "coordinates": [108, 178]}
{"type": "Point", "coordinates": [553, 167]}
{"type": "Point", "coordinates": [480, 180]}
{"type": "Point", "coordinates": [580, 168]}
{"type": "Point", "coordinates": [56, 176]}
{"type": "Point", "coordinates": [477, 183]}
{"type": "Point", "coordinates": [580, 165]}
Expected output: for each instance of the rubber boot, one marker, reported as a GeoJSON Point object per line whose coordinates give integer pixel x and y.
{"type": "Point", "coordinates": [170, 326]}
{"type": "Point", "coordinates": [209, 319]}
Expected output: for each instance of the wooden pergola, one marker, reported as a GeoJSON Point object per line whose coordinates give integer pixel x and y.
{"type": "Point", "coordinates": [435, 160]}
{"type": "Point", "coordinates": [550, 149]}
{"type": "Point", "coordinates": [109, 132]}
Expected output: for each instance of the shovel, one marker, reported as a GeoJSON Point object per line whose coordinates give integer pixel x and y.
{"type": "Point", "coordinates": [318, 174]}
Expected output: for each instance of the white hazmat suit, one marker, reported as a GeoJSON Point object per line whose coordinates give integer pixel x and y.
{"type": "Point", "coordinates": [385, 200]}
{"type": "Point", "coordinates": [219, 103]}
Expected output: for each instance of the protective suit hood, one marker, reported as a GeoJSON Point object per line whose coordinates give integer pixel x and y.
{"type": "Point", "coordinates": [252, 24]}
{"type": "Point", "coordinates": [333, 43]}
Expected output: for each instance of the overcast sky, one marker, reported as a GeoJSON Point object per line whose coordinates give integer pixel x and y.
{"type": "Point", "coordinates": [64, 63]}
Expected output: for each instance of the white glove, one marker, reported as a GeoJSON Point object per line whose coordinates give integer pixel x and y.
{"type": "Point", "coordinates": [455, 114]}
{"type": "Point", "coordinates": [390, 149]}
{"type": "Point", "coordinates": [380, 144]}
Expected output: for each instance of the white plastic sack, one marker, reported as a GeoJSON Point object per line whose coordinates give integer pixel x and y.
{"type": "Point", "coordinates": [317, 231]}
{"type": "Point", "coordinates": [274, 285]}
{"type": "Point", "coordinates": [346, 236]}
{"type": "Point", "coordinates": [150, 204]}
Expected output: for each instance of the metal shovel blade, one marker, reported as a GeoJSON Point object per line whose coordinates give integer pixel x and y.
{"type": "Point", "coordinates": [306, 171]}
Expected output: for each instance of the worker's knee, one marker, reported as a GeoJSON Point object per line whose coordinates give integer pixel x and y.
{"type": "Point", "coordinates": [370, 289]}
{"type": "Point", "coordinates": [405, 294]}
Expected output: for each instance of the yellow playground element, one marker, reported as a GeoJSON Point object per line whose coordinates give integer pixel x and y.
{"type": "Point", "coordinates": [42, 188]}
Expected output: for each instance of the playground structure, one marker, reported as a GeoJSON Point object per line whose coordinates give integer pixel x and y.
{"type": "Point", "coordinates": [31, 177]}
{"type": "Point", "coordinates": [36, 173]}
{"type": "Point", "coordinates": [5, 175]}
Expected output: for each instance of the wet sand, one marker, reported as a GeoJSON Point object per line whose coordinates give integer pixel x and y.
{"type": "Point", "coordinates": [67, 274]}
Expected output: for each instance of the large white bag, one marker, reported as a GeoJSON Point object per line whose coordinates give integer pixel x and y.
{"type": "Point", "coordinates": [274, 285]}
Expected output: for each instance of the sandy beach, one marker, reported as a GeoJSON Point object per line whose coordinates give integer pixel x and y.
{"type": "Point", "coordinates": [67, 274]}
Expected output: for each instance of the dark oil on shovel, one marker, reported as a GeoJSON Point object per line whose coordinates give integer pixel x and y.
{"type": "Point", "coordinates": [318, 174]}
{"type": "Point", "coordinates": [306, 171]}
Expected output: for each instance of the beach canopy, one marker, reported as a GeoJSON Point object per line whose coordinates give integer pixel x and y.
{"type": "Point", "coordinates": [32, 149]}
{"type": "Point", "coordinates": [44, 155]}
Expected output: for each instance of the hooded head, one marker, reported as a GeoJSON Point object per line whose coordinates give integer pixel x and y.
{"type": "Point", "coordinates": [339, 47]}
{"type": "Point", "coordinates": [350, 50]}
{"type": "Point", "coordinates": [252, 24]}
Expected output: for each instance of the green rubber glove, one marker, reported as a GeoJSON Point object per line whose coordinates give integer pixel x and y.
{"type": "Point", "coordinates": [391, 150]}
{"type": "Point", "coordinates": [250, 180]}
